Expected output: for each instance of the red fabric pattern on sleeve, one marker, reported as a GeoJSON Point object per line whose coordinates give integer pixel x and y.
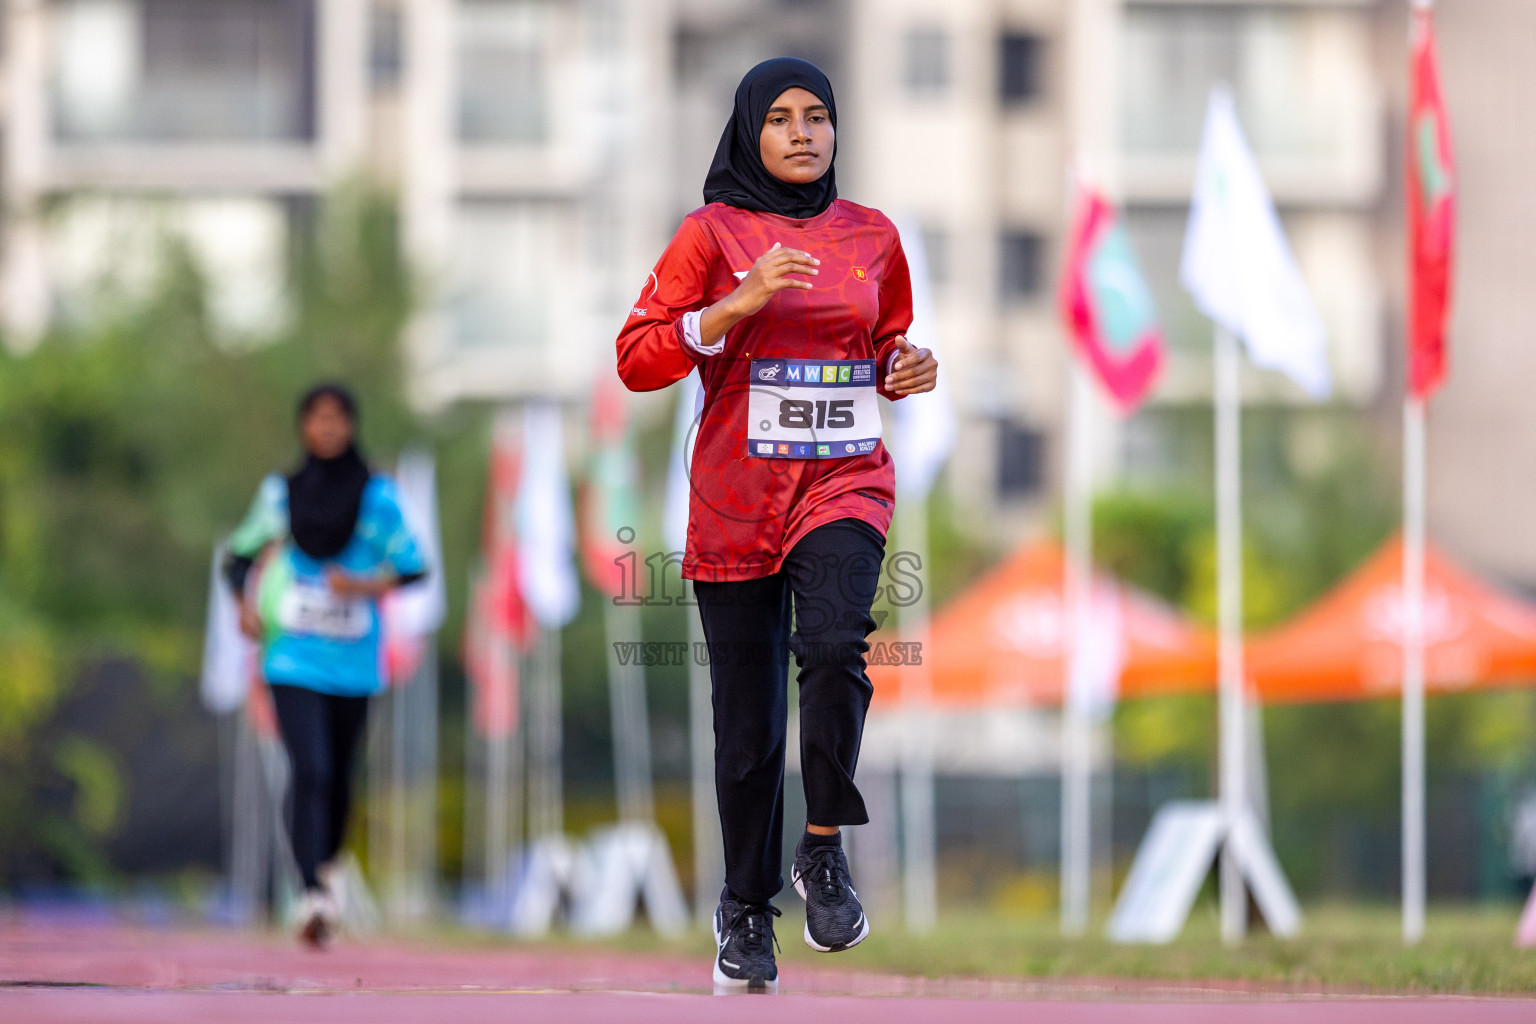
{"type": "Point", "coordinates": [651, 351]}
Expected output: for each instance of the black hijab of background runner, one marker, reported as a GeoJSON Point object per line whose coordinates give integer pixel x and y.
{"type": "Point", "coordinates": [325, 495]}
{"type": "Point", "coordinates": [738, 177]}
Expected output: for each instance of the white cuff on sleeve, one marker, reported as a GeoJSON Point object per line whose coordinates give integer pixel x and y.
{"type": "Point", "coordinates": [691, 335]}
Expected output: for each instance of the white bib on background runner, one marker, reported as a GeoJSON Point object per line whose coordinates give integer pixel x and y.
{"type": "Point", "coordinates": [308, 608]}
{"type": "Point", "coordinates": [812, 409]}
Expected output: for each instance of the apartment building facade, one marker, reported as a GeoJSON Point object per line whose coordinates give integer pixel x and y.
{"type": "Point", "coordinates": [544, 150]}
{"type": "Point", "coordinates": [510, 130]}
{"type": "Point", "coordinates": [981, 110]}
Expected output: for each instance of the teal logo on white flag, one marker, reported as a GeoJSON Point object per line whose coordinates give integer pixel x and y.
{"type": "Point", "coordinates": [1237, 264]}
{"type": "Point", "coordinates": [1124, 301]}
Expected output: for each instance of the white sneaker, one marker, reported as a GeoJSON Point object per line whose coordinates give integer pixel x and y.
{"type": "Point", "coordinates": [357, 912]}
{"type": "Point", "coordinates": [317, 919]}
{"type": "Point", "coordinates": [333, 880]}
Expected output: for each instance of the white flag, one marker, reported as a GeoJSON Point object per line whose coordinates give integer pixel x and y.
{"type": "Point", "coordinates": [690, 403]}
{"type": "Point", "coordinates": [1237, 264]}
{"type": "Point", "coordinates": [546, 529]}
{"type": "Point", "coordinates": [228, 656]}
{"type": "Point", "coordinates": [925, 424]}
{"type": "Point", "coordinates": [419, 609]}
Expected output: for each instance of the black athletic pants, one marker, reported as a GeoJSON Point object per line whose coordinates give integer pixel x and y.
{"type": "Point", "coordinates": [829, 579]}
{"type": "Point", "coordinates": [321, 733]}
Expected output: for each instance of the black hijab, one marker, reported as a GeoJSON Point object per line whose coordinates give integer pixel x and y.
{"type": "Point", "coordinates": [738, 177]}
{"type": "Point", "coordinates": [325, 495]}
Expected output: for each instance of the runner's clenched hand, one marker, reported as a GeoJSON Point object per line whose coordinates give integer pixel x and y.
{"type": "Point", "coordinates": [346, 585]}
{"type": "Point", "coordinates": [250, 620]}
{"type": "Point", "coordinates": [914, 371]}
{"type": "Point", "coordinates": [772, 273]}
{"type": "Point", "coordinates": [776, 270]}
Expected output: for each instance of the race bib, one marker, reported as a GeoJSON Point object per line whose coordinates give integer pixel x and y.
{"type": "Point", "coordinates": [812, 409]}
{"type": "Point", "coordinates": [311, 609]}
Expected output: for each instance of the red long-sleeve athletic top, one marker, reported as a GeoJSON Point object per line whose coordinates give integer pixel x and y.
{"type": "Point", "coordinates": [745, 512]}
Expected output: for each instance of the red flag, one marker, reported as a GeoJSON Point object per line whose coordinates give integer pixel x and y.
{"type": "Point", "coordinates": [498, 623]}
{"type": "Point", "coordinates": [1431, 186]}
{"type": "Point", "coordinates": [1106, 304]}
{"type": "Point", "coordinates": [490, 661]}
{"type": "Point", "coordinates": [402, 655]}
{"type": "Point", "coordinates": [508, 611]}
{"type": "Point", "coordinates": [610, 506]}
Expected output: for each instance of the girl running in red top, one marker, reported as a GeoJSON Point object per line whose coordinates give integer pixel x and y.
{"type": "Point", "coordinates": [792, 304]}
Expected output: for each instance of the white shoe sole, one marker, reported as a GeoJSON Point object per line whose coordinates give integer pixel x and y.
{"type": "Point", "coordinates": [725, 985]}
{"type": "Point", "coordinates": [799, 883]}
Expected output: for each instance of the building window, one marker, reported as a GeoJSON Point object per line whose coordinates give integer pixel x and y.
{"type": "Point", "coordinates": [184, 70]}
{"type": "Point", "coordinates": [1020, 460]}
{"type": "Point", "coordinates": [691, 51]}
{"type": "Point", "coordinates": [925, 67]}
{"type": "Point", "coordinates": [1300, 78]}
{"type": "Point", "coordinates": [105, 248]}
{"type": "Point", "coordinates": [936, 253]}
{"type": "Point", "coordinates": [1020, 78]}
{"type": "Point", "coordinates": [503, 284]}
{"type": "Point", "coordinates": [386, 46]}
{"type": "Point", "coordinates": [503, 71]}
{"type": "Point", "coordinates": [1022, 265]}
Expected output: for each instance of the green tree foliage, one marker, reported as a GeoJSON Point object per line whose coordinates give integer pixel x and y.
{"type": "Point", "coordinates": [1320, 496]}
{"type": "Point", "coordinates": [129, 443]}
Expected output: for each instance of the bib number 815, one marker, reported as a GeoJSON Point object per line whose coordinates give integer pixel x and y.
{"type": "Point", "coordinates": [820, 415]}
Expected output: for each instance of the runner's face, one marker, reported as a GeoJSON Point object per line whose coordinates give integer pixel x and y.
{"type": "Point", "coordinates": [796, 141]}
{"type": "Point", "coordinates": [327, 429]}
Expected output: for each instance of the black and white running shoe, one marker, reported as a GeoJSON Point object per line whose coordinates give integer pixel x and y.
{"type": "Point", "coordinates": [834, 920]}
{"type": "Point", "coordinates": [745, 943]}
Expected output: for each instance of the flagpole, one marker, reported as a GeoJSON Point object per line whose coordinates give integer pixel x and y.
{"type": "Point", "coordinates": [925, 433]}
{"type": "Point", "coordinates": [545, 798]}
{"type": "Point", "coordinates": [920, 853]}
{"type": "Point", "coordinates": [395, 895]}
{"type": "Point", "coordinates": [503, 788]}
{"type": "Point", "coordinates": [246, 847]}
{"type": "Point", "coordinates": [497, 818]}
{"type": "Point", "coordinates": [426, 844]}
{"type": "Point", "coordinates": [1414, 472]}
{"type": "Point", "coordinates": [1229, 585]}
{"type": "Point", "coordinates": [514, 772]}
{"type": "Point", "coordinates": [629, 717]}
{"type": "Point", "coordinates": [1413, 669]}
{"type": "Point", "coordinates": [1076, 764]}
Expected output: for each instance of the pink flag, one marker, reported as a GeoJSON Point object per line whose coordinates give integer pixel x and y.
{"type": "Point", "coordinates": [498, 623]}
{"type": "Point", "coordinates": [1106, 305]}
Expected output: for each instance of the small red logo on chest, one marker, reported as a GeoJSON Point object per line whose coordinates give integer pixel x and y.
{"type": "Point", "coordinates": [860, 273]}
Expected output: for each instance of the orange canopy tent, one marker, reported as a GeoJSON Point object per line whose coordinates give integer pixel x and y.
{"type": "Point", "coordinates": [1000, 642]}
{"type": "Point", "coordinates": [1348, 645]}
